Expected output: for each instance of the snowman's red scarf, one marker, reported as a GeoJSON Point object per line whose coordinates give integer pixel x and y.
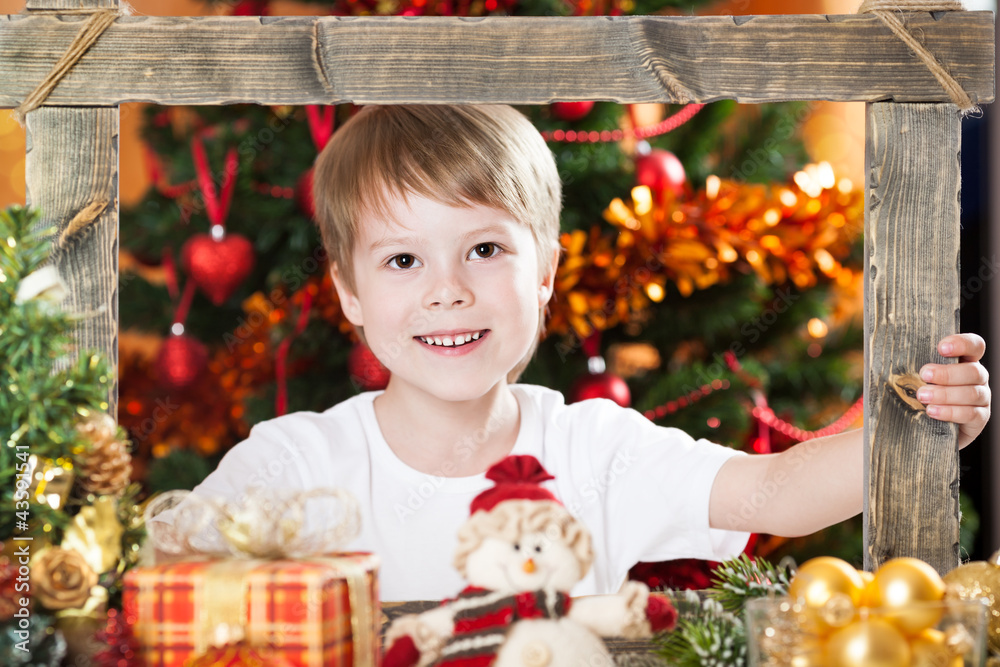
{"type": "Point", "coordinates": [483, 617]}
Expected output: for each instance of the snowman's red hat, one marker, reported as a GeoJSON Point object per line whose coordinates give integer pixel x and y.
{"type": "Point", "coordinates": [517, 478]}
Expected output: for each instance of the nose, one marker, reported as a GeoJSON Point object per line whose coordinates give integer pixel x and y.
{"type": "Point", "coordinates": [529, 566]}
{"type": "Point", "coordinates": [448, 289]}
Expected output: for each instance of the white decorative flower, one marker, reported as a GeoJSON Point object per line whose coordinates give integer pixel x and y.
{"type": "Point", "coordinates": [44, 284]}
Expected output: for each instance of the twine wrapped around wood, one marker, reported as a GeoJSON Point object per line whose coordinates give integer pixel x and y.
{"type": "Point", "coordinates": [99, 21]}
{"type": "Point", "coordinates": [887, 9]}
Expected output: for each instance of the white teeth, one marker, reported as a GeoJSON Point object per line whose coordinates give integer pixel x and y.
{"type": "Point", "coordinates": [448, 341]}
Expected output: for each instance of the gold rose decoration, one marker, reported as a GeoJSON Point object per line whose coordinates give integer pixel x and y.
{"type": "Point", "coordinates": [62, 579]}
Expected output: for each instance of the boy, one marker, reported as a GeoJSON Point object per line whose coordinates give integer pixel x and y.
{"type": "Point", "coordinates": [442, 226]}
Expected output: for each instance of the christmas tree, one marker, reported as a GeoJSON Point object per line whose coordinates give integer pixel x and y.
{"type": "Point", "coordinates": [710, 277]}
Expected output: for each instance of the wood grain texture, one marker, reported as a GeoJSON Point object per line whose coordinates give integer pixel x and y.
{"type": "Point", "coordinates": [912, 297]}
{"type": "Point", "coordinates": [526, 60]}
{"type": "Point", "coordinates": [71, 4]}
{"type": "Point", "coordinates": [72, 164]}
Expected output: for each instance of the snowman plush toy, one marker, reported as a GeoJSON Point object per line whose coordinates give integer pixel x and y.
{"type": "Point", "coordinates": [521, 552]}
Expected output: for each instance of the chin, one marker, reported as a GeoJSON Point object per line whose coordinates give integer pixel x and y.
{"type": "Point", "coordinates": [459, 392]}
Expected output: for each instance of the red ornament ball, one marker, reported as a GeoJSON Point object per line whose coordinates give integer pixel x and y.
{"type": "Point", "coordinates": [366, 369]}
{"type": "Point", "coordinates": [304, 194]}
{"type": "Point", "coordinates": [119, 646]}
{"type": "Point", "coordinates": [570, 111]}
{"type": "Point", "coordinates": [660, 170]}
{"type": "Point", "coordinates": [218, 267]}
{"type": "Point", "coordinates": [251, 8]}
{"type": "Point", "coordinates": [601, 385]}
{"type": "Point", "coordinates": [181, 361]}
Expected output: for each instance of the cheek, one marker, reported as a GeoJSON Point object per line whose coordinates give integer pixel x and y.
{"type": "Point", "coordinates": [565, 567]}
{"type": "Point", "coordinates": [484, 566]}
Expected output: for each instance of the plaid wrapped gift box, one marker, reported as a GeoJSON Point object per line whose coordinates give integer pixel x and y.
{"type": "Point", "coordinates": [310, 612]}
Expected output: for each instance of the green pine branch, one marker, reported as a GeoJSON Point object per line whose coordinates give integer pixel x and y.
{"type": "Point", "coordinates": [737, 580]}
{"type": "Point", "coordinates": [40, 406]}
{"type": "Point", "coordinates": [706, 635]}
{"type": "Point", "coordinates": [710, 629]}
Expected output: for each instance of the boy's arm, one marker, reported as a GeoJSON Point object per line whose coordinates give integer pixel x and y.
{"type": "Point", "coordinates": [820, 482]}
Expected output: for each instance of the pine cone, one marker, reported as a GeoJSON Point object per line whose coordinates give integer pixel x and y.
{"type": "Point", "coordinates": [106, 467]}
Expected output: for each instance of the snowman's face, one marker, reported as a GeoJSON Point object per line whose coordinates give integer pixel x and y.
{"type": "Point", "coordinates": [532, 562]}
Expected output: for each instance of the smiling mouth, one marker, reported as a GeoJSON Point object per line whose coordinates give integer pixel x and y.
{"type": "Point", "coordinates": [453, 341]}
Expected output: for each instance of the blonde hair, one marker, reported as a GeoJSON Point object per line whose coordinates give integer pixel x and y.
{"type": "Point", "coordinates": [511, 518]}
{"type": "Point", "coordinates": [457, 155]}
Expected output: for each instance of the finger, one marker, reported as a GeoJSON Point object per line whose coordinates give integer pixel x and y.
{"type": "Point", "coordinates": [955, 374]}
{"type": "Point", "coordinates": [959, 414]}
{"type": "Point", "coordinates": [974, 395]}
{"type": "Point", "coordinates": [968, 346]}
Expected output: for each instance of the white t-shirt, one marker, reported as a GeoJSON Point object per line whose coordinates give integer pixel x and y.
{"type": "Point", "coordinates": [641, 489]}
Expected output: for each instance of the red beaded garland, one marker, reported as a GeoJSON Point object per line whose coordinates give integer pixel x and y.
{"type": "Point", "coordinates": [667, 125]}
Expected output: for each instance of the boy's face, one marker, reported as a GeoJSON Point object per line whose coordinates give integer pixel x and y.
{"type": "Point", "coordinates": [439, 274]}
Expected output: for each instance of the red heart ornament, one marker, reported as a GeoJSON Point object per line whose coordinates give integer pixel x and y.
{"type": "Point", "coordinates": [218, 267]}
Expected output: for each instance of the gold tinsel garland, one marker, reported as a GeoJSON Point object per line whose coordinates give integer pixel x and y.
{"type": "Point", "coordinates": [798, 232]}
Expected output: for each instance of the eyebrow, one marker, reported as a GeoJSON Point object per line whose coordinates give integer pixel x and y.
{"type": "Point", "coordinates": [403, 240]}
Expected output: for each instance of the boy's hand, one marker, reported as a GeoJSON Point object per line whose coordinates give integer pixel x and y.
{"type": "Point", "coordinates": [959, 392]}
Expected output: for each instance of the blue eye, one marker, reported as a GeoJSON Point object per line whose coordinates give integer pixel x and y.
{"type": "Point", "coordinates": [486, 250]}
{"type": "Point", "coordinates": [402, 261]}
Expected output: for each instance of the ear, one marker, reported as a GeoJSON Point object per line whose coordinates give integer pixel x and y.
{"type": "Point", "coordinates": [547, 286]}
{"type": "Point", "coordinates": [349, 302]}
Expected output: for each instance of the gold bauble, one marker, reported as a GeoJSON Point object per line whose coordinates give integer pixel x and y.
{"type": "Point", "coordinates": [827, 587]}
{"type": "Point", "coordinates": [868, 643]}
{"type": "Point", "coordinates": [869, 596]}
{"type": "Point", "coordinates": [979, 580]}
{"type": "Point", "coordinates": [838, 611]}
{"type": "Point", "coordinates": [928, 649]}
{"type": "Point", "coordinates": [819, 579]}
{"type": "Point", "coordinates": [809, 652]}
{"type": "Point", "coordinates": [904, 586]}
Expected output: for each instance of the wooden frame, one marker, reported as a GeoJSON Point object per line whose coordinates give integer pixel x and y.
{"type": "Point", "coordinates": [913, 143]}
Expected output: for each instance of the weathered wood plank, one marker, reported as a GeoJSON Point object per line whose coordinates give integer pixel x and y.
{"type": "Point", "coordinates": [223, 60]}
{"type": "Point", "coordinates": [72, 4]}
{"type": "Point", "coordinates": [72, 164]}
{"type": "Point", "coordinates": [912, 300]}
